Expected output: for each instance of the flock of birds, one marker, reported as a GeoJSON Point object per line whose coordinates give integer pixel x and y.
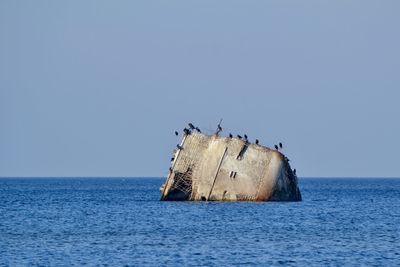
{"type": "Point", "coordinates": [192, 128]}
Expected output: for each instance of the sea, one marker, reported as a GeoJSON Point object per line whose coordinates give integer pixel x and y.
{"type": "Point", "coordinates": [122, 222]}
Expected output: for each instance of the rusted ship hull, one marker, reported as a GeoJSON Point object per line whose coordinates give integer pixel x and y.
{"type": "Point", "coordinates": [213, 168]}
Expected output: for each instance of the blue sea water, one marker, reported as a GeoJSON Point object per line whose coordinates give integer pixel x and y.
{"type": "Point", "coordinates": [121, 222]}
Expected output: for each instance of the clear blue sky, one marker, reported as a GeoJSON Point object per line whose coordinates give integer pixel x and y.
{"type": "Point", "coordinates": [97, 88]}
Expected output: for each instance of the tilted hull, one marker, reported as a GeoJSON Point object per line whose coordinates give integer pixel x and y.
{"type": "Point", "coordinates": [213, 168]}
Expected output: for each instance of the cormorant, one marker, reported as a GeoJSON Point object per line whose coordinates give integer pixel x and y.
{"type": "Point", "coordinates": [280, 145]}
{"type": "Point", "coordinates": [191, 126]}
{"type": "Point", "coordinates": [179, 146]}
{"type": "Point", "coordinates": [294, 171]}
{"type": "Point", "coordinates": [257, 141]}
{"type": "Point", "coordinates": [245, 136]}
{"type": "Point", "coordinates": [186, 131]}
{"type": "Point", "coordinates": [198, 129]}
{"type": "Point", "coordinates": [219, 128]}
{"type": "Point", "coordinates": [239, 136]}
{"type": "Point", "coordinates": [172, 159]}
{"type": "Point", "coordinates": [276, 147]}
{"type": "Point", "coordinates": [230, 135]}
{"type": "Point", "coordinates": [176, 133]}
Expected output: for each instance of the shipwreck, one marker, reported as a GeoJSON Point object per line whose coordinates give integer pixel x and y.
{"type": "Point", "coordinates": [216, 168]}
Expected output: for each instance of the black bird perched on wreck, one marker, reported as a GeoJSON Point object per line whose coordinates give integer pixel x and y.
{"type": "Point", "coordinates": [257, 141]}
{"type": "Point", "coordinates": [239, 136]}
{"type": "Point", "coordinates": [198, 129]}
{"type": "Point", "coordinates": [219, 128]}
{"type": "Point", "coordinates": [294, 172]}
{"type": "Point", "coordinates": [245, 136]}
{"type": "Point", "coordinates": [280, 145]}
{"type": "Point", "coordinates": [176, 133]}
{"type": "Point", "coordinates": [230, 135]}
{"type": "Point", "coordinates": [179, 146]}
{"type": "Point", "coordinates": [187, 131]}
{"type": "Point", "coordinates": [191, 126]}
{"type": "Point", "coordinates": [276, 147]}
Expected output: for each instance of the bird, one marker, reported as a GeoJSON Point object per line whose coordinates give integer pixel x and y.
{"type": "Point", "coordinates": [191, 126]}
{"type": "Point", "coordinates": [219, 128]}
{"type": "Point", "coordinates": [176, 133]}
{"type": "Point", "coordinates": [245, 136]}
{"type": "Point", "coordinates": [239, 136]}
{"type": "Point", "coordinates": [198, 129]}
{"type": "Point", "coordinates": [276, 147]}
{"type": "Point", "coordinates": [230, 135]}
{"type": "Point", "coordinates": [294, 171]}
{"type": "Point", "coordinates": [172, 159]}
{"type": "Point", "coordinates": [179, 146]}
{"type": "Point", "coordinates": [280, 145]}
{"type": "Point", "coordinates": [187, 131]}
{"type": "Point", "coordinates": [257, 141]}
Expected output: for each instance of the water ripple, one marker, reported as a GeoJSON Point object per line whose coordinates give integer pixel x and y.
{"type": "Point", "coordinates": [120, 222]}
